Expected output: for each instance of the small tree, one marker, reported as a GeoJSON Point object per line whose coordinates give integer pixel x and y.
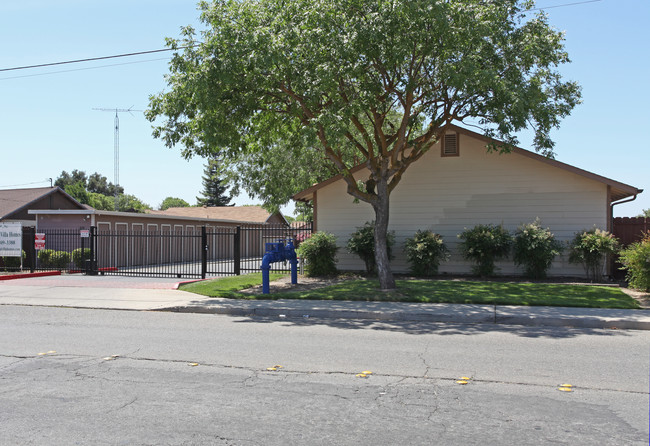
{"type": "Point", "coordinates": [636, 260]}
{"type": "Point", "coordinates": [319, 252]}
{"type": "Point", "coordinates": [535, 248]}
{"type": "Point", "coordinates": [590, 248]}
{"type": "Point", "coordinates": [214, 191]}
{"type": "Point", "coordinates": [362, 243]}
{"type": "Point", "coordinates": [425, 251]}
{"type": "Point", "coordinates": [485, 244]}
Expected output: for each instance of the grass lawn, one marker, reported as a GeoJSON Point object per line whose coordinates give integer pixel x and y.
{"type": "Point", "coordinates": [431, 291]}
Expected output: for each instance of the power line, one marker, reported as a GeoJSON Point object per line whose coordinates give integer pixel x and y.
{"type": "Point", "coordinates": [565, 4]}
{"type": "Point", "coordinates": [90, 59]}
{"type": "Point", "coordinates": [82, 69]}
{"type": "Point", "coordinates": [26, 184]}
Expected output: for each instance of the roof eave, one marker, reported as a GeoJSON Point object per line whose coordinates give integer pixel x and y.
{"type": "Point", "coordinates": [619, 190]}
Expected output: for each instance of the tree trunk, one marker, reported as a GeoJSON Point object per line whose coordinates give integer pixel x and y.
{"type": "Point", "coordinates": [381, 207]}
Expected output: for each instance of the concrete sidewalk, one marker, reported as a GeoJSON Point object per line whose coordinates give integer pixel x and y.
{"type": "Point", "coordinates": [142, 295]}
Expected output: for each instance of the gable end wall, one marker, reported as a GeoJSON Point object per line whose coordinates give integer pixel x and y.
{"type": "Point", "coordinates": [448, 194]}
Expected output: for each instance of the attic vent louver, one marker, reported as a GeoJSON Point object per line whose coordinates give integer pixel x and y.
{"type": "Point", "coordinates": [450, 144]}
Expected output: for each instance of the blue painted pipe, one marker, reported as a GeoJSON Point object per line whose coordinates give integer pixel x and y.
{"type": "Point", "coordinates": [278, 252]}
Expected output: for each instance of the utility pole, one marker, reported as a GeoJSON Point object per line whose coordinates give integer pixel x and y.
{"type": "Point", "coordinates": [116, 144]}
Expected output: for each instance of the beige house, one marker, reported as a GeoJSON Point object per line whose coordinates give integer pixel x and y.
{"type": "Point", "coordinates": [457, 185]}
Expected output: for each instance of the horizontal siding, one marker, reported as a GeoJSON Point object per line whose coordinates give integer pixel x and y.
{"type": "Point", "coordinates": [450, 194]}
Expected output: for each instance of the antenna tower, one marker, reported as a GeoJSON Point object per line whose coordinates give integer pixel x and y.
{"type": "Point", "coordinates": [116, 144]}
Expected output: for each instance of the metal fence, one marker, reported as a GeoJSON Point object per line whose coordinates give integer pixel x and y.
{"type": "Point", "coordinates": [60, 249]}
{"type": "Point", "coordinates": [191, 252]}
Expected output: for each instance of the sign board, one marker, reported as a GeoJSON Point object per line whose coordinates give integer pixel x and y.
{"type": "Point", "coordinates": [11, 239]}
{"type": "Point", "coordinates": [39, 241]}
{"type": "Point", "coordinates": [85, 233]}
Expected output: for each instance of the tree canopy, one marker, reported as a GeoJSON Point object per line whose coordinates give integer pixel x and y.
{"type": "Point", "coordinates": [360, 81]}
{"type": "Point", "coordinates": [173, 202]}
{"type": "Point", "coordinates": [96, 191]}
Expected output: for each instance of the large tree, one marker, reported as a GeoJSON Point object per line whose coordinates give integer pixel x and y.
{"type": "Point", "coordinates": [382, 79]}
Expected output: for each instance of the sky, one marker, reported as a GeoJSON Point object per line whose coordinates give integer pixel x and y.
{"type": "Point", "coordinates": [48, 123]}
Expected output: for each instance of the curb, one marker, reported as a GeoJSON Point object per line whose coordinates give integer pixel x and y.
{"type": "Point", "coordinates": [489, 315]}
{"type": "Point", "coordinates": [28, 275]}
{"type": "Point", "coordinates": [582, 322]}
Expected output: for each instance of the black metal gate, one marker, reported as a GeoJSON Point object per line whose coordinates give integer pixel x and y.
{"type": "Point", "coordinates": [208, 252]}
{"type": "Point", "coordinates": [193, 252]}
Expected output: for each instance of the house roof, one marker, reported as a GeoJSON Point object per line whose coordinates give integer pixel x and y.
{"type": "Point", "coordinates": [15, 200]}
{"type": "Point", "coordinates": [619, 191]}
{"type": "Point", "coordinates": [242, 214]}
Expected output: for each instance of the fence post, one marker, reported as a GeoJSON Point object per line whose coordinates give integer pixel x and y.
{"type": "Point", "coordinates": [28, 247]}
{"type": "Point", "coordinates": [237, 251]}
{"type": "Point", "coordinates": [204, 252]}
{"type": "Point", "coordinates": [92, 268]}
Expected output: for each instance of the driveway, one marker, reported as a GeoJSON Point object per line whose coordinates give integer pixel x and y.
{"type": "Point", "coordinates": [79, 291]}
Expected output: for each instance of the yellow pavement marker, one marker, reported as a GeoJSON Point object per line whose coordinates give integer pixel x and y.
{"type": "Point", "coordinates": [463, 380]}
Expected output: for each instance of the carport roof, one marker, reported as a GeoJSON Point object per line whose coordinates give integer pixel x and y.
{"type": "Point", "coordinates": [247, 214]}
{"type": "Point", "coordinates": [154, 215]}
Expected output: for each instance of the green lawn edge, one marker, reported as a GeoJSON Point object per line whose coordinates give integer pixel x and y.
{"type": "Point", "coordinates": [430, 291]}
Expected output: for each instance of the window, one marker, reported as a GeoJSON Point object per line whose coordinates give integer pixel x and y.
{"type": "Point", "coordinates": [450, 144]}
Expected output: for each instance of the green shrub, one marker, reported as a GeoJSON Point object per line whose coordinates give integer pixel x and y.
{"type": "Point", "coordinates": [79, 257]}
{"type": "Point", "coordinates": [44, 258]}
{"type": "Point", "coordinates": [60, 259]}
{"type": "Point", "coordinates": [13, 262]}
{"type": "Point", "coordinates": [590, 249]}
{"type": "Point", "coordinates": [362, 243]}
{"type": "Point", "coordinates": [636, 260]}
{"type": "Point", "coordinates": [485, 244]}
{"type": "Point", "coordinates": [424, 252]}
{"type": "Point", "coordinates": [535, 248]}
{"type": "Point", "coordinates": [319, 252]}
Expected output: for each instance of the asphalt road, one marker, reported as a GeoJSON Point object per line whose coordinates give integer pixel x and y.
{"type": "Point", "coordinates": [60, 384]}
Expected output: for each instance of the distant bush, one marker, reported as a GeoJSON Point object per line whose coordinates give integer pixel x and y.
{"type": "Point", "coordinates": [362, 243]}
{"type": "Point", "coordinates": [60, 259]}
{"type": "Point", "coordinates": [13, 262]}
{"type": "Point", "coordinates": [636, 260]}
{"type": "Point", "coordinates": [590, 248]}
{"type": "Point", "coordinates": [319, 252]}
{"type": "Point", "coordinates": [80, 256]}
{"type": "Point", "coordinates": [485, 244]}
{"type": "Point", "coordinates": [44, 258]}
{"type": "Point", "coordinates": [535, 248]}
{"type": "Point", "coordinates": [53, 259]}
{"type": "Point", "coordinates": [425, 251]}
